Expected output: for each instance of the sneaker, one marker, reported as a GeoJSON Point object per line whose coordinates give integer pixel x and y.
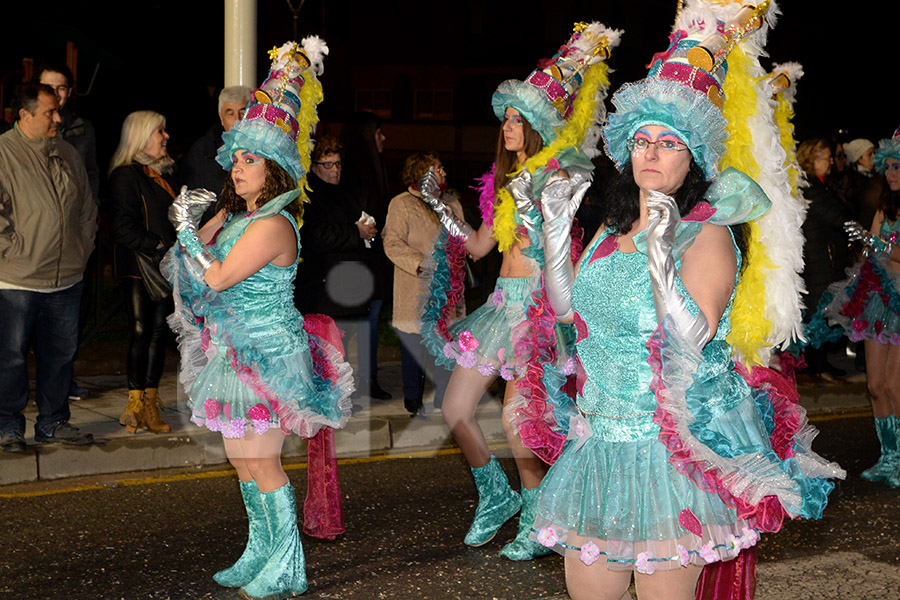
{"type": "Point", "coordinates": [12, 442]}
{"type": "Point", "coordinates": [76, 392]}
{"type": "Point", "coordinates": [63, 433]}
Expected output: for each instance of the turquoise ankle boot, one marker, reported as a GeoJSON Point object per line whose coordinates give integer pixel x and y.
{"type": "Point", "coordinates": [523, 548]}
{"type": "Point", "coordinates": [257, 550]}
{"type": "Point", "coordinates": [893, 478]}
{"type": "Point", "coordinates": [284, 573]}
{"type": "Point", "coordinates": [889, 461]}
{"type": "Point", "coordinates": [497, 503]}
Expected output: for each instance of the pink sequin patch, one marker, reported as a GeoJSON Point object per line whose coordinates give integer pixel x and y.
{"type": "Point", "coordinates": [701, 213]}
{"type": "Point", "coordinates": [605, 248]}
{"type": "Point", "coordinates": [259, 412]}
{"type": "Point", "coordinates": [581, 328]}
{"type": "Point", "coordinates": [467, 341]}
{"type": "Point", "coordinates": [212, 408]}
{"type": "Point", "coordinates": [690, 522]}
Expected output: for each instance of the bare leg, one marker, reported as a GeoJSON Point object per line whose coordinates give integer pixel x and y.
{"type": "Point", "coordinates": [678, 584]}
{"type": "Point", "coordinates": [595, 582]}
{"type": "Point", "coordinates": [877, 379]}
{"type": "Point", "coordinates": [464, 392]}
{"type": "Point", "coordinates": [893, 386]}
{"type": "Point", "coordinates": [258, 458]}
{"type": "Point", "coordinates": [531, 468]}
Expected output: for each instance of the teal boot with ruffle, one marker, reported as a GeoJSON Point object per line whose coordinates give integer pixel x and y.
{"type": "Point", "coordinates": [888, 430]}
{"type": "Point", "coordinates": [497, 503]}
{"type": "Point", "coordinates": [257, 550]}
{"type": "Point", "coordinates": [284, 573]}
{"type": "Point", "coordinates": [523, 548]}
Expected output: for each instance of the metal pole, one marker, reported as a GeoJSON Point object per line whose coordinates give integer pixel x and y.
{"type": "Point", "coordinates": [240, 42]}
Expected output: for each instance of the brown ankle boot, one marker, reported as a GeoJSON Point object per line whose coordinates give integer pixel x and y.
{"type": "Point", "coordinates": [150, 414]}
{"type": "Point", "coordinates": [131, 416]}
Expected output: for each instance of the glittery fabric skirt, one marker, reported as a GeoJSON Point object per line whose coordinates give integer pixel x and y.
{"type": "Point", "coordinates": [486, 339]}
{"type": "Point", "coordinates": [625, 503]}
{"type": "Point", "coordinates": [866, 305]}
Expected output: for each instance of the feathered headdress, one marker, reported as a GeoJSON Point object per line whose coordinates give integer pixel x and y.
{"type": "Point", "coordinates": [282, 116]}
{"type": "Point", "coordinates": [547, 96]}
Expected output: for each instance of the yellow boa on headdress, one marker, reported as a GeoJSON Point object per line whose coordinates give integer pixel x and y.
{"type": "Point", "coordinates": [310, 96]}
{"type": "Point", "coordinates": [749, 326]}
{"type": "Point", "coordinates": [571, 135]}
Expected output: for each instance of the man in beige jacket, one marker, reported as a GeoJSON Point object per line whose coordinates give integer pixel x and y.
{"type": "Point", "coordinates": [48, 219]}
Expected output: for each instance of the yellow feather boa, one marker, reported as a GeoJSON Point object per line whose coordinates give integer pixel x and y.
{"type": "Point", "coordinates": [310, 97]}
{"type": "Point", "coordinates": [749, 326]}
{"type": "Point", "coordinates": [572, 134]}
{"type": "Point", "coordinates": [784, 115]}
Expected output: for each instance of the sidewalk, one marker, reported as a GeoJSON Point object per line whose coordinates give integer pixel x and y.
{"type": "Point", "coordinates": [376, 428]}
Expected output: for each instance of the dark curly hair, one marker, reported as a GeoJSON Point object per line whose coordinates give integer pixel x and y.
{"type": "Point", "coordinates": [621, 206]}
{"type": "Point", "coordinates": [277, 182]}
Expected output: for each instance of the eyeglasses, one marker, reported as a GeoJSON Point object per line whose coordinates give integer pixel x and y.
{"type": "Point", "coordinates": [892, 166]}
{"type": "Point", "coordinates": [440, 169]}
{"type": "Point", "coordinates": [641, 144]}
{"type": "Point", "coordinates": [328, 165]}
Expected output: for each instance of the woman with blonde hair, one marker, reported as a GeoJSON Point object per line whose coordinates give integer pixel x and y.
{"type": "Point", "coordinates": [141, 190]}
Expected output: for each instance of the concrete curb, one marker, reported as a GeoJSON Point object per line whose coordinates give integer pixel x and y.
{"type": "Point", "coordinates": [376, 428]}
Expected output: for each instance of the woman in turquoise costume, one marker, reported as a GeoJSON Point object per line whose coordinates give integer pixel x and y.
{"type": "Point", "coordinates": [513, 335]}
{"type": "Point", "coordinates": [253, 368]}
{"type": "Point", "coordinates": [866, 306]}
{"type": "Point", "coordinates": [678, 457]}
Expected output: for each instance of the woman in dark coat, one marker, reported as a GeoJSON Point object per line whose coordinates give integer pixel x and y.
{"type": "Point", "coordinates": [364, 176]}
{"type": "Point", "coordinates": [826, 251]}
{"type": "Point", "coordinates": [337, 275]}
{"type": "Point", "coordinates": [140, 193]}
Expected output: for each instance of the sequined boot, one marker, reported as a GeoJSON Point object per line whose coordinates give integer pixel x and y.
{"type": "Point", "coordinates": [497, 503]}
{"type": "Point", "coordinates": [257, 550]}
{"type": "Point", "coordinates": [131, 416]}
{"type": "Point", "coordinates": [284, 573]}
{"type": "Point", "coordinates": [523, 548]}
{"type": "Point", "coordinates": [150, 413]}
{"type": "Point", "coordinates": [893, 479]}
{"type": "Point", "coordinates": [889, 461]}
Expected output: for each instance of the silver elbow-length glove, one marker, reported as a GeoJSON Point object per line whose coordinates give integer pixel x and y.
{"type": "Point", "coordinates": [668, 301]}
{"type": "Point", "coordinates": [431, 193]}
{"type": "Point", "coordinates": [560, 200]}
{"type": "Point", "coordinates": [185, 213]}
{"type": "Point", "coordinates": [520, 189]}
{"type": "Point", "coordinates": [858, 233]}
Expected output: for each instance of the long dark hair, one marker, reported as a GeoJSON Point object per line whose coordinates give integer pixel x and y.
{"type": "Point", "coordinates": [364, 174]}
{"type": "Point", "coordinates": [889, 203]}
{"type": "Point", "coordinates": [622, 208]}
{"type": "Point", "coordinates": [505, 160]}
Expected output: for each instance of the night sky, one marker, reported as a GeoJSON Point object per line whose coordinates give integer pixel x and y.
{"type": "Point", "coordinates": [167, 55]}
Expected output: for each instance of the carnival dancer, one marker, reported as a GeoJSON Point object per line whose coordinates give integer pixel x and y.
{"type": "Point", "coordinates": [253, 368]}
{"type": "Point", "coordinates": [866, 306]}
{"type": "Point", "coordinates": [547, 119]}
{"type": "Point", "coordinates": [678, 457]}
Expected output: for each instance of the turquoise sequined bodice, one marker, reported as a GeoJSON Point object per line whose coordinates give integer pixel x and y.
{"type": "Point", "coordinates": [267, 295]}
{"type": "Point", "coordinates": [613, 295]}
{"type": "Point", "coordinates": [888, 228]}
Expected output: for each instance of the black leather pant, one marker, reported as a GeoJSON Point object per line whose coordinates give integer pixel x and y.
{"type": "Point", "coordinates": [149, 336]}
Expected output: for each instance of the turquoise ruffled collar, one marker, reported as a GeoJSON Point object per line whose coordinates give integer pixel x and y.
{"type": "Point", "coordinates": [732, 198]}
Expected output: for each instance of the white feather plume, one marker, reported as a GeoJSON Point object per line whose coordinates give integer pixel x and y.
{"type": "Point", "coordinates": [316, 50]}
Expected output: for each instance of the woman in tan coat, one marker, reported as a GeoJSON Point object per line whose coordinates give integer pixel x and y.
{"type": "Point", "coordinates": [410, 231]}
